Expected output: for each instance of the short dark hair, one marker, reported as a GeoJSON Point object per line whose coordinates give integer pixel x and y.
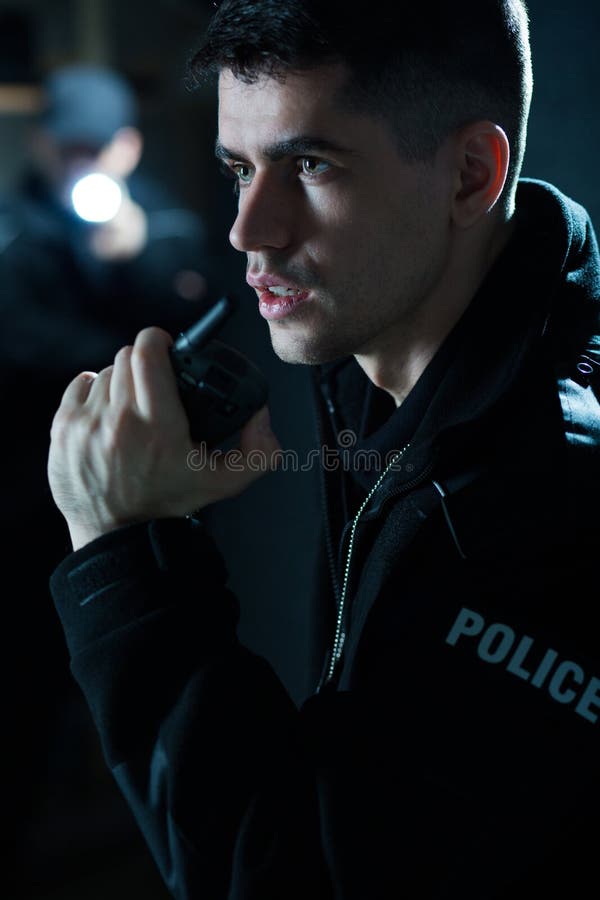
{"type": "Point", "coordinates": [427, 68]}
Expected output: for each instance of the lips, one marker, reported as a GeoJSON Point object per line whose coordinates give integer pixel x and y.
{"type": "Point", "coordinates": [268, 281]}
{"type": "Point", "coordinates": [277, 306]}
{"type": "Point", "coordinates": [277, 296]}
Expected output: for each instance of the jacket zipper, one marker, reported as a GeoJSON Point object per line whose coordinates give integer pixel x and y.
{"type": "Point", "coordinates": [339, 636]}
{"type": "Point", "coordinates": [328, 540]}
{"type": "Point", "coordinates": [339, 639]}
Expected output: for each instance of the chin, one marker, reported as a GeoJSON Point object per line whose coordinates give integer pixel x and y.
{"type": "Point", "coordinates": [304, 353]}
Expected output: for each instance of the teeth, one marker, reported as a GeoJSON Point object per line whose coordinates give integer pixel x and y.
{"type": "Point", "coordinates": [281, 291]}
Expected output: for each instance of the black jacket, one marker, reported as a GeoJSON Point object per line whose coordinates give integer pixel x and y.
{"type": "Point", "coordinates": [453, 751]}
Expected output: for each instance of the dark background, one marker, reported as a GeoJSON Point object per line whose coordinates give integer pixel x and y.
{"type": "Point", "coordinates": [92, 850]}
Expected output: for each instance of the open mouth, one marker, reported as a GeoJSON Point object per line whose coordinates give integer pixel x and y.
{"type": "Point", "coordinates": [281, 291]}
{"type": "Point", "coordinates": [277, 301]}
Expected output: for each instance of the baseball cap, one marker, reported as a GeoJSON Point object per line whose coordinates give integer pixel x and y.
{"type": "Point", "coordinates": [87, 104]}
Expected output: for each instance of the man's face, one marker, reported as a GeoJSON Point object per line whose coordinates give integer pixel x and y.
{"type": "Point", "coordinates": [63, 163]}
{"type": "Point", "coordinates": [328, 208]}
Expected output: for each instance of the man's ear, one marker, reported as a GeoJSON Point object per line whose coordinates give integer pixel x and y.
{"type": "Point", "coordinates": [481, 166]}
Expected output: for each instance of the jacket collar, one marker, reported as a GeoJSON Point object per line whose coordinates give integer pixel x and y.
{"type": "Point", "coordinates": [543, 289]}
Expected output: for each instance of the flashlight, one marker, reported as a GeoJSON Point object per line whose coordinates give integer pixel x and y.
{"type": "Point", "coordinates": [96, 198]}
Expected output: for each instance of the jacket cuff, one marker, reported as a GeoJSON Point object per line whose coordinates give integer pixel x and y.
{"type": "Point", "coordinates": [135, 570]}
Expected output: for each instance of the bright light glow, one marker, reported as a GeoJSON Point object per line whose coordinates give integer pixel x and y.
{"type": "Point", "coordinates": [96, 198]}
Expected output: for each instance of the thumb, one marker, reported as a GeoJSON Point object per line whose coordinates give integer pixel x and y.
{"type": "Point", "coordinates": [256, 455]}
{"type": "Point", "coordinates": [257, 435]}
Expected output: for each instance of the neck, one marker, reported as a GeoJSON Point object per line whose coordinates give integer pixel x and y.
{"type": "Point", "coordinates": [396, 358]}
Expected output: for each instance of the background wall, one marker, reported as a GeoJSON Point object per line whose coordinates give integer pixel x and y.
{"type": "Point", "coordinates": [564, 125]}
{"type": "Point", "coordinates": [267, 534]}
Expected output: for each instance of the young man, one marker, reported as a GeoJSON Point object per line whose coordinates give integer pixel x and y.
{"type": "Point", "coordinates": [450, 313]}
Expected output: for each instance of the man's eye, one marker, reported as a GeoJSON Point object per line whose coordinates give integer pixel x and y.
{"type": "Point", "coordinates": [242, 172]}
{"type": "Point", "coordinates": [311, 166]}
{"type": "Point", "coordinates": [239, 173]}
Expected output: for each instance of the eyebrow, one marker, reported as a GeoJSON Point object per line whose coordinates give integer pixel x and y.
{"type": "Point", "coordinates": [291, 147]}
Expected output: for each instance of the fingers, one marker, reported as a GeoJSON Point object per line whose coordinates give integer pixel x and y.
{"type": "Point", "coordinates": [257, 434]}
{"type": "Point", "coordinates": [258, 453]}
{"type": "Point", "coordinates": [122, 388]}
{"type": "Point", "coordinates": [97, 397]}
{"type": "Point", "coordinates": [141, 375]}
{"type": "Point", "coordinates": [78, 389]}
{"type": "Point", "coordinates": [153, 377]}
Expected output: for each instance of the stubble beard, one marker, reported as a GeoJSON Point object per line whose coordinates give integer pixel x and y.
{"type": "Point", "coordinates": [325, 340]}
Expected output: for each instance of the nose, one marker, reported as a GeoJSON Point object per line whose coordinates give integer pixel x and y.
{"type": "Point", "coordinates": [265, 216]}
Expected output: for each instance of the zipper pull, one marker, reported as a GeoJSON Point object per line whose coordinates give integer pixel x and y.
{"type": "Point", "coordinates": [331, 408]}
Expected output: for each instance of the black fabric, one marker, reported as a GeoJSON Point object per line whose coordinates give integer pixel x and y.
{"type": "Point", "coordinates": [454, 752]}
{"type": "Point", "coordinates": [386, 429]}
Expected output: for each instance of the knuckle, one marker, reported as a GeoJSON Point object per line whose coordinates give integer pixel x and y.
{"type": "Point", "coordinates": [146, 336]}
{"type": "Point", "coordinates": [123, 352]}
{"type": "Point", "coordinates": [149, 339]}
{"type": "Point", "coordinates": [88, 428]}
{"type": "Point", "coordinates": [117, 420]}
{"type": "Point", "coordinates": [114, 425]}
{"type": "Point", "coordinates": [85, 377]}
{"type": "Point", "coordinates": [62, 421]}
{"type": "Point", "coordinates": [142, 353]}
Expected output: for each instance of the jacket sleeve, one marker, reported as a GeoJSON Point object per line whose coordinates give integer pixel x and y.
{"type": "Point", "coordinates": [202, 738]}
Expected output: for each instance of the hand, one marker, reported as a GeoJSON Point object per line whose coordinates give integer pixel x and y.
{"type": "Point", "coordinates": [120, 444]}
{"type": "Point", "coordinates": [122, 237]}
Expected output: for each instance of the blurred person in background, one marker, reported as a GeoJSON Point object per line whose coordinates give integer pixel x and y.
{"type": "Point", "coordinates": [66, 272]}
{"type": "Point", "coordinates": [77, 281]}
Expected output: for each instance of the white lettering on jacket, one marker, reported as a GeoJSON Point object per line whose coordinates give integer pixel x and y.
{"type": "Point", "coordinates": [564, 679]}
